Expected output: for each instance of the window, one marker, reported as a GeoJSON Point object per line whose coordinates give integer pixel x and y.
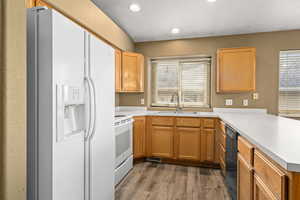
{"type": "Point", "coordinates": [289, 83]}
{"type": "Point", "coordinates": [182, 82]}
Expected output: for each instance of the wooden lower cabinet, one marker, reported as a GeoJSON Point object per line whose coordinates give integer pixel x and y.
{"type": "Point", "coordinates": [207, 145]}
{"type": "Point", "coordinates": [261, 190]}
{"type": "Point", "coordinates": [162, 142]}
{"type": "Point", "coordinates": [244, 179]}
{"type": "Point", "coordinates": [271, 175]}
{"type": "Point", "coordinates": [139, 137]}
{"type": "Point", "coordinates": [176, 138]}
{"type": "Point", "coordinates": [188, 143]}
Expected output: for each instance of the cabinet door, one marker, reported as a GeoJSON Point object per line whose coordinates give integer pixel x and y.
{"type": "Point", "coordinates": [162, 141]}
{"type": "Point", "coordinates": [236, 70]}
{"type": "Point", "coordinates": [30, 3]}
{"type": "Point", "coordinates": [33, 3]}
{"type": "Point", "coordinates": [132, 72]}
{"type": "Point", "coordinates": [207, 145]}
{"type": "Point", "coordinates": [244, 179]}
{"type": "Point", "coordinates": [118, 70]}
{"type": "Point", "coordinates": [188, 143]}
{"type": "Point", "coordinates": [139, 137]}
{"type": "Point", "coordinates": [261, 191]}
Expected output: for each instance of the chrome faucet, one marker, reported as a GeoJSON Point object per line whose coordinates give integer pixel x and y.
{"type": "Point", "coordinates": [178, 108]}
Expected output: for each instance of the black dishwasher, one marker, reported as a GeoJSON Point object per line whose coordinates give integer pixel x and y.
{"type": "Point", "coordinates": [231, 161]}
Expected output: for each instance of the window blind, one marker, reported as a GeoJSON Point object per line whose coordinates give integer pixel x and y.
{"type": "Point", "coordinates": [194, 84]}
{"type": "Point", "coordinates": [165, 85]}
{"type": "Point", "coordinates": [180, 79]}
{"type": "Point", "coordinates": [289, 83]}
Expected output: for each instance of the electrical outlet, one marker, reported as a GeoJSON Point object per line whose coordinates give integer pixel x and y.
{"type": "Point", "coordinates": [255, 96]}
{"type": "Point", "coordinates": [142, 101]}
{"type": "Point", "coordinates": [245, 102]}
{"type": "Point", "coordinates": [228, 102]}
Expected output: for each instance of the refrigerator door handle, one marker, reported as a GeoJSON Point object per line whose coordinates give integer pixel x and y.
{"type": "Point", "coordinates": [88, 129]}
{"type": "Point", "coordinates": [94, 109]}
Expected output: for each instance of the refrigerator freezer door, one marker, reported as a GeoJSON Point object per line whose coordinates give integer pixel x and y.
{"type": "Point", "coordinates": [68, 69]}
{"type": "Point", "coordinates": [70, 118]}
{"type": "Point", "coordinates": [55, 58]}
{"type": "Point", "coordinates": [102, 141]}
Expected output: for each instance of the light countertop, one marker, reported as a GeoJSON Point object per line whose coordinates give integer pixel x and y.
{"type": "Point", "coordinates": [277, 137]}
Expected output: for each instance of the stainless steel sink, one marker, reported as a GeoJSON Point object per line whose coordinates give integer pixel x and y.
{"type": "Point", "coordinates": [178, 112]}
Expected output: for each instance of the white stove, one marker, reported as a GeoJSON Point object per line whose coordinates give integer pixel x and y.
{"type": "Point", "coordinates": [122, 119]}
{"type": "Point", "coordinates": [124, 157]}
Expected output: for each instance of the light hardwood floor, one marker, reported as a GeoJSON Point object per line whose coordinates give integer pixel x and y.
{"type": "Point", "coordinates": [152, 181]}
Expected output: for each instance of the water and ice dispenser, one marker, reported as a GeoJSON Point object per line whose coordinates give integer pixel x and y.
{"type": "Point", "coordinates": [70, 111]}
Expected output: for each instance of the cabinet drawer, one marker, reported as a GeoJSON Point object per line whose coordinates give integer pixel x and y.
{"type": "Point", "coordinates": [222, 127]}
{"type": "Point", "coordinates": [222, 139]}
{"type": "Point", "coordinates": [246, 150]}
{"type": "Point", "coordinates": [163, 121]}
{"type": "Point", "coordinates": [209, 123]}
{"type": "Point", "coordinates": [271, 175]}
{"type": "Point", "coordinates": [188, 122]}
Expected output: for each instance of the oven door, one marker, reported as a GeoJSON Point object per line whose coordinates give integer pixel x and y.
{"type": "Point", "coordinates": [123, 142]}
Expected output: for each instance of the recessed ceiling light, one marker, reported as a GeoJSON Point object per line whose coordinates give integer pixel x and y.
{"type": "Point", "coordinates": [175, 30]}
{"type": "Point", "coordinates": [135, 7]}
{"type": "Point", "coordinates": [211, 0]}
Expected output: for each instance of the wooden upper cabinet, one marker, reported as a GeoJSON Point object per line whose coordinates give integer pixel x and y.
{"type": "Point", "coordinates": [118, 70]}
{"type": "Point", "coordinates": [30, 3]}
{"type": "Point", "coordinates": [188, 147]}
{"type": "Point", "coordinates": [236, 70]}
{"type": "Point", "coordinates": [132, 72]}
{"type": "Point", "coordinates": [139, 137]}
{"type": "Point", "coordinates": [33, 3]}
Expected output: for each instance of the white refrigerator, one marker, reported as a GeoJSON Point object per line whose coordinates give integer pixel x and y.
{"type": "Point", "coordinates": [70, 106]}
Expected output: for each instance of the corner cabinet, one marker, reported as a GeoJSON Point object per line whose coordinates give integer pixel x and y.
{"type": "Point", "coordinates": [236, 70]}
{"type": "Point", "coordinates": [129, 72]}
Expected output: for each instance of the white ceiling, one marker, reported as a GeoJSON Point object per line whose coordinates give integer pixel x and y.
{"type": "Point", "coordinates": [199, 18]}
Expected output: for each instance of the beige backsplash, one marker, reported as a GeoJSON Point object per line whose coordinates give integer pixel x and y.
{"type": "Point", "coordinates": [267, 45]}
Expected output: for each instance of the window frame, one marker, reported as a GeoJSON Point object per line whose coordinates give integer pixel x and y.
{"type": "Point", "coordinates": [179, 60]}
{"type": "Point", "coordinates": [286, 112]}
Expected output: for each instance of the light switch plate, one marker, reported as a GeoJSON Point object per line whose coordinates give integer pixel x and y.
{"type": "Point", "coordinates": [228, 102]}
{"type": "Point", "coordinates": [245, 102]}
{"type": "Point", "coordinates": [142, 101]}
{"type": "Point", "coordinates": [255, 96]}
